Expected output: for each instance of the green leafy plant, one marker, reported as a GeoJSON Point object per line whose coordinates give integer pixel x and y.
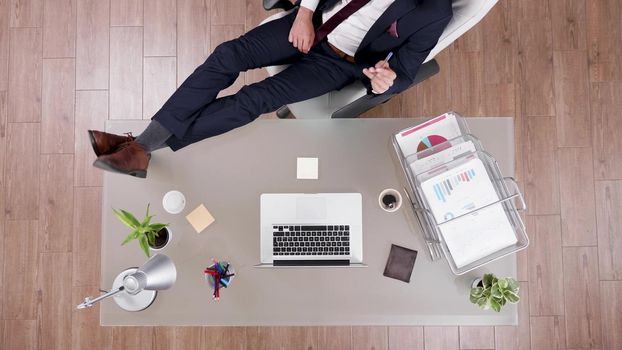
{"type": "Point", "coordinates": [495, 292]}
{"type": "Point", "coordinates": [144, 232]}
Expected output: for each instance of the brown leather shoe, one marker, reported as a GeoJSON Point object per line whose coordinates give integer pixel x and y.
{"type": "Point", "coordinates": [105, 143]}
{"type": "Point", "coordinates": [130, 158]}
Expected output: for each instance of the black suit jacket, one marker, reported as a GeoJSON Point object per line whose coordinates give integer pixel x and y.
{"type": "Point", "coordinates": [420, 24]}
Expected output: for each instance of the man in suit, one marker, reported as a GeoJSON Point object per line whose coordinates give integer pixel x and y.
{"type": "Point", "coordinates": [328, 44]}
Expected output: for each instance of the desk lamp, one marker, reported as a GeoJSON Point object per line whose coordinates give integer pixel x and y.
{"type": "Point", "coordinates": [134, 289]}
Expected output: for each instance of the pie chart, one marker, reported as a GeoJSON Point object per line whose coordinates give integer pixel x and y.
{"type": "Point", "coordinates": [430, 141]}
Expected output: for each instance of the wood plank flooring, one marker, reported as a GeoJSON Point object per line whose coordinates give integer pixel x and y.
{"type": "Point", "coordinates": [69, 65]}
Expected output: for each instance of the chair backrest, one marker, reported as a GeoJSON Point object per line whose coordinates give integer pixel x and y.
{"type": "Point", "coordinates": [467, 13]}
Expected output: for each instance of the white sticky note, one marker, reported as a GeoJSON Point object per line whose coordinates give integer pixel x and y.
{"type": "Point", "coordinates": [307, 169]}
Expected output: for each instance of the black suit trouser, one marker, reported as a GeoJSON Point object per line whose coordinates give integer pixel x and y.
{"type": "Point", "coordinates": [193, 112]}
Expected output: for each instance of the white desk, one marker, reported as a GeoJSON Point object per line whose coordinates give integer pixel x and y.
{"type": "Point", "coordinates": [229, 172]}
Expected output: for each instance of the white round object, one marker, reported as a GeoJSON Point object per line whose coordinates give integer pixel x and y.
{"type": "Point", "coordinates": [129, 302]}
{"type": "Point", "coordinates": [170, 239]}
{"type": "Point", "coordinates": [398, 198]}
{"type": "Point", "coordinates": [174, 202]}
{"type": "Point", "coordinates": [476, 281]}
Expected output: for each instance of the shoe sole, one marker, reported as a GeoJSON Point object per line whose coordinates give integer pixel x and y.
{"type": "Point", "coordinates": [105, 166]}
{"type": "Point", "coordinates": [93, 143]}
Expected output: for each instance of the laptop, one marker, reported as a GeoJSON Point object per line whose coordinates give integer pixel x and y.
{"type": "Point", "coordinates": [311, 230]}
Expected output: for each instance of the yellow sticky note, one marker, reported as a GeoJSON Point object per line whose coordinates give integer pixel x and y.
{"type": "Point", "coordinates": [200, 218]}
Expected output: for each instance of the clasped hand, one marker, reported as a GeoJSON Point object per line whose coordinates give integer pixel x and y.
{"type": "Point", "coordinates": [381, 77]}
{"type": "Point", "coordinates": [302, 34]}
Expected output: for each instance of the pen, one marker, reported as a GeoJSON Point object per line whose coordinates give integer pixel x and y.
{"type": "Point", "coordinates": [386, 60]}
{"type": "Point", "coordinates": [384, 64]}
{"type": "Point", "coordinates": [216, 287]}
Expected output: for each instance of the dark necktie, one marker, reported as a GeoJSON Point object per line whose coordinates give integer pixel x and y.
{"type": "Point", "coordinates": [337, 18]}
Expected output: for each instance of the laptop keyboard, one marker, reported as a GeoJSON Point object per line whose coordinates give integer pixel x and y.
{"type": "Point", "coordinates": [311, 240]}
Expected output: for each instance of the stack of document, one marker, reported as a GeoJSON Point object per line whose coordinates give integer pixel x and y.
{"type": "Point", "coordinates": [453, 181]}
{"type": "Point", "coordinates": [461, 190]}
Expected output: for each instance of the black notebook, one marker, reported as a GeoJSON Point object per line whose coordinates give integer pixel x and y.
{"type": "Point", "coordinates": [400, 263]}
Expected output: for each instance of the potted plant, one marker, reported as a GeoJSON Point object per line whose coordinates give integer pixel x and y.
{"type": "Point", "coordinates": [149, 235]}
{"type": "Point", "coordinates": [491, 292]}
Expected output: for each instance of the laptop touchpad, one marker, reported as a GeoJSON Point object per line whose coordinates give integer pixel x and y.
{"type": "Point", "coordinates": [311, 208]}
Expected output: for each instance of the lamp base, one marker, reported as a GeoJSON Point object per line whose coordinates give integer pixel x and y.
{"type": "Point", "coordinates": [129, 302]}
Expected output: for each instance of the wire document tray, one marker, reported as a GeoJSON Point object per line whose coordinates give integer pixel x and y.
{"type": "Point", "coordinates": [439, 158]}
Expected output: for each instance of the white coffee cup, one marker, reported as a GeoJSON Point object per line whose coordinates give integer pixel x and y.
{"type": "Point", "coordinates": [174, 202]}
{"type": "Point", "coordinates": [390, 200]}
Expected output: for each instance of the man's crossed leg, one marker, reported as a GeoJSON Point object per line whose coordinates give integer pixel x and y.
{"type": "Point", "coordinates": [193, 112]}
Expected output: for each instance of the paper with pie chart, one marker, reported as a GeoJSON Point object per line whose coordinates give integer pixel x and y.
{"type": "Point", "coordinates": [429, 142]}
{"type": "Point", "coordinates": [421, 165]}
{"type": "Point", "coordinates": [426, 135]}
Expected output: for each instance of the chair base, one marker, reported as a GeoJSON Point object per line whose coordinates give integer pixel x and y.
{"type": "Point", "coordinates": [283, 112]}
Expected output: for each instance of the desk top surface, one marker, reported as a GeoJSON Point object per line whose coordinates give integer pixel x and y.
{"type": "Point", "coordinates": [228, 173]}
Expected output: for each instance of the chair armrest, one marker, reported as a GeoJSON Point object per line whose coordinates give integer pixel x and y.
{"type": "Point", "coordinates": [277, 4]}
{"type": "Point", "coordinates": [367, 102]}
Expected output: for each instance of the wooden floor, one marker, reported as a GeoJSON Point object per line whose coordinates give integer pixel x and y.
{"type": "Point", "coordinates": [68, 65]}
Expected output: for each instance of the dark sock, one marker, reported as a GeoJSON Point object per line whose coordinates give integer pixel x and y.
{"type": "Point", "coordinates": [154, 137]}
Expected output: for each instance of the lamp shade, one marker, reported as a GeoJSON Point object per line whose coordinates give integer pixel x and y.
{"type": "Point", "coordinates": [157, 273]}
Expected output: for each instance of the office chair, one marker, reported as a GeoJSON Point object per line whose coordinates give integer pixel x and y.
{"type": "Point", "coordinates": [353, 100]}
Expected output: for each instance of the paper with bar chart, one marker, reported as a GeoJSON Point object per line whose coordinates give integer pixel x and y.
{"type": "Point", "coordinates": [458, 191]}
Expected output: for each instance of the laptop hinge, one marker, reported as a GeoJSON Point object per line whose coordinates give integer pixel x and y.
{"type": "Point", "coordinates": [335, 262]}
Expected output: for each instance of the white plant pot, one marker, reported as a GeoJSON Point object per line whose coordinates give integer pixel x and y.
{"type": "Point", "coordinates": [170, 238]}
{"type": "Point", "coordinates": [475, 282]}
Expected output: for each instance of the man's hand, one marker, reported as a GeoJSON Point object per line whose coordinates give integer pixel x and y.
{"type": "Point", "coordinates": [381, 76]}
{"type": "Point", "coordinates": [302, 33]}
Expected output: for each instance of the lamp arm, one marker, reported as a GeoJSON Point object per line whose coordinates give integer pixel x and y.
{"type": "Point", "coordinates": [88, 302]}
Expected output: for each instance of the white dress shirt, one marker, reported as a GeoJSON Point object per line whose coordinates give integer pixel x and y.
{"type": "Point", "coordinates": [350, 33]}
